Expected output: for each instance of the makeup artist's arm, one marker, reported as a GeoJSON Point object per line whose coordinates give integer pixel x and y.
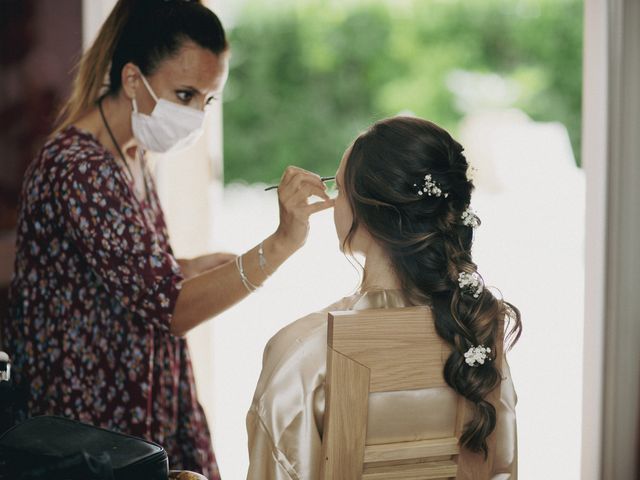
{"type": "Point", "coordinates": [195, 266]}
{"type": "Point", "coordinates": [210, 293]}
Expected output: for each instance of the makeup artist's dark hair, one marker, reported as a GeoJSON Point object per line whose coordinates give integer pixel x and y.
{"type": "Point", "coordinates": [144, 32]}
{"type": "Point", "coordinates": [429, 245]}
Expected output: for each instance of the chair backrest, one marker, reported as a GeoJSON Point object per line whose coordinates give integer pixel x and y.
{"type": "Point", "coordinates": [383, 350]}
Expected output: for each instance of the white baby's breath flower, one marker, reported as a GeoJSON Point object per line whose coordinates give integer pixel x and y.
{"type": "Point", "coordinates": [470, 218]}
{"type": "Point", "coordinates": [431, 188]}
{"type": "Point", "coordinates": [477, 355]}
{"type": "Point", "coordinates": [470, 283]}
{"type": "Point", "coordinates": [472, 172]}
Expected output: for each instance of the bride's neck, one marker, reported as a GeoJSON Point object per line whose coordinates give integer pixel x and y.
{"type": "Point", "coordinates": [379, 273]}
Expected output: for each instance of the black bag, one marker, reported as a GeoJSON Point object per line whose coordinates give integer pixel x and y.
{"type": "Point", "coordinates": [12, 398]}
{"type": "Point", "coordinates": [57, 448]}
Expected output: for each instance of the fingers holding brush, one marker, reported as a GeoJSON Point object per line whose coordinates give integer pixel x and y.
{"type": "Point", "coordinates": [294, 191]}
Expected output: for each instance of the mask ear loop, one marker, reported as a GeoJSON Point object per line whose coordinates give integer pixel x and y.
{"type": "Point", "coordinates": [149, 89]}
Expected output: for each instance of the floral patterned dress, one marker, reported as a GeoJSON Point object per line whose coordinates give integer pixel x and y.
{"type": "Point", "coordinates": [91, 301]}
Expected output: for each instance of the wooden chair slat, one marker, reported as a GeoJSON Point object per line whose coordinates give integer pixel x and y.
{"type": "Point", "coordinates": [415, 471]}
{"type": "Point", "coordinates": [345, 419]}
{"type": "Point", "coordinates": [407, 450]}
{"type": "Point", "coordinates": [397, 357]}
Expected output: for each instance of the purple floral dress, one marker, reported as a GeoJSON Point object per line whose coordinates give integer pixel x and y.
{"type": "Point", "coordinates": [91, 301]}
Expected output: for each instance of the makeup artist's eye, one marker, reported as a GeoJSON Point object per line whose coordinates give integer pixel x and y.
{"type": "Point", "coordinates": [185, 96]}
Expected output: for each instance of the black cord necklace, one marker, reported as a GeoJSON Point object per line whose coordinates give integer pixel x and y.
{"type": "Point", "coordinates": [113, 140]}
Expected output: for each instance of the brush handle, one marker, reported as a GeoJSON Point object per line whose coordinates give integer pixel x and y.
{"type": "Point", "coordinates": [322, 179]}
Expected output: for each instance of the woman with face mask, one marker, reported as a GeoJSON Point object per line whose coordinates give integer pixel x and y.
{"type": "Point", "coordinates": [99, 304]}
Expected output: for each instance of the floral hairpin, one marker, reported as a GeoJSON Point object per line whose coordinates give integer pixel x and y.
{"type": "Point", "coordinates": [476, 356]}
{"type": "Point", "coordinates": [430, 187]}
{"type": "Point", "coordinates": [471, 283]}
{"type": "Point", "coordinates": [471, 173]}
{"type": "Point", "coordinates": [469, 218]}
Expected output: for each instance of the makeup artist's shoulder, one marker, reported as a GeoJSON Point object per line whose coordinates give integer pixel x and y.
{"type": "Point", "coordinates": [66, 150]}
{"type": "Point", "coordinates": [303, 329]}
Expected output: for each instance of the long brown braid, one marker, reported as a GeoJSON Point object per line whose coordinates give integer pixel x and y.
{"type": "Point", "coordinates": [429, 246]}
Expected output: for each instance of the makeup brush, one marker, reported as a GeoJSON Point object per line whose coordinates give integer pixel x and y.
{"type": "Point", "coordinates": [322, 179]}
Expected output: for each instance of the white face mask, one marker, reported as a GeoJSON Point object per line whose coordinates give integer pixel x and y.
{"type": "Point", "coordinates": [169, 128]}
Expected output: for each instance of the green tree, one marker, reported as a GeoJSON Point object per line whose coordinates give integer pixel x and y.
{"type": "Point", "coordinates": [306, 79]}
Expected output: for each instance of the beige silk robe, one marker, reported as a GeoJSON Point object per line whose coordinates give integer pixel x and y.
{"type": "Point", "coordinates": [284, 422]}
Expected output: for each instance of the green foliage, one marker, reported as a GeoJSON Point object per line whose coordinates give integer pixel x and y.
{"type": "Point", "coordinates": [307, 77]}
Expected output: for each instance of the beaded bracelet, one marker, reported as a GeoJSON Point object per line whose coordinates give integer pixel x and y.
{"type": "Point", "coordinates": [262, 261]}
{"type": "Point", "coordinates": [245, 281]}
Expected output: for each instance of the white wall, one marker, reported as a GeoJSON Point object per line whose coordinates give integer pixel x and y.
{"type": "Point", "coordinates": [94, 13]}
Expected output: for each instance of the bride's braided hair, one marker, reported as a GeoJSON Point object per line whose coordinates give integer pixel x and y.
{"type": "Point", "coordinates": [429, 246]}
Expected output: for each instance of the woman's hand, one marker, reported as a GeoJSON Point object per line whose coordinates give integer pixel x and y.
{"type": "Point", "coordinates": [195, 266]}
{"type": "Point", "coordinates": [294, 190]}
{"type": "Point", "coordinates": [213, 291]}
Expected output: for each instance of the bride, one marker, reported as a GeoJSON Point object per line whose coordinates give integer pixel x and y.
{"type": "Point", "coordinates": [404, 204]}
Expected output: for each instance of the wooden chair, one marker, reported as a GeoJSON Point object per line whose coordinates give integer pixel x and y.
{"type": "Point", "coordinates": [383, 350]}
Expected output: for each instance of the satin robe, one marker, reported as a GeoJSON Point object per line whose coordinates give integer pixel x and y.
{"type": "Point", "coordinates": [284, 422]}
